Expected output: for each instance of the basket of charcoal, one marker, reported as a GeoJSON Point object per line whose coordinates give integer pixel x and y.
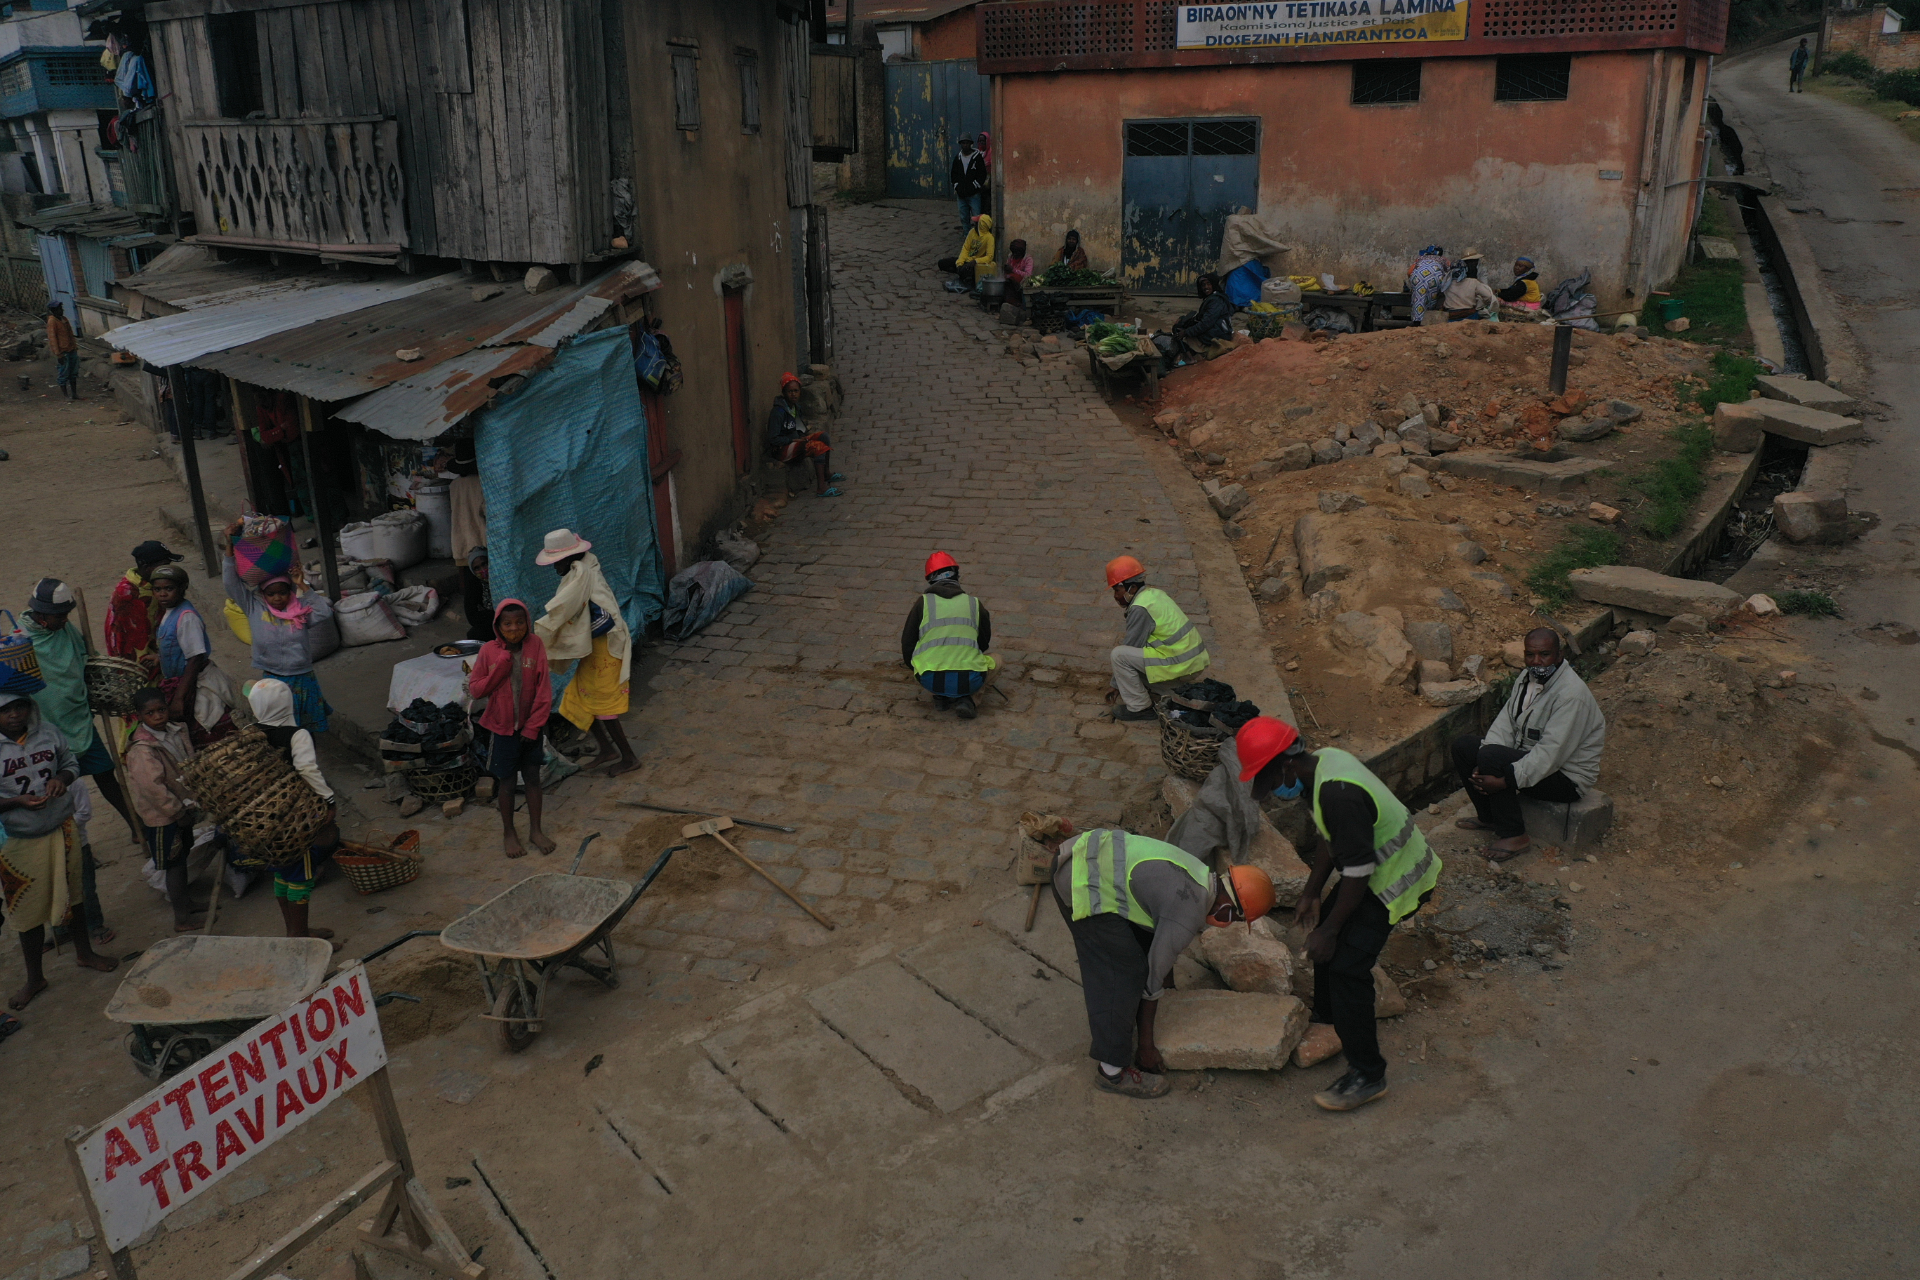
{"type": "Point", "coordinates": [1195, 719]}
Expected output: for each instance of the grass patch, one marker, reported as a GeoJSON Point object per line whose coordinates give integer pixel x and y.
{"type": "Point", "coordinates": [1714, 291]}
{"type": "Point", "coordinates": [1844, 89]}
{"type": "Point", "coordinates": [1673, 483]}
{"type": "Point", "coordinates": [1732, 381]}
{"type": "Point", "coordinates": [1808, 604]}
{"type": "Point", "coordinates": [1584, 548]}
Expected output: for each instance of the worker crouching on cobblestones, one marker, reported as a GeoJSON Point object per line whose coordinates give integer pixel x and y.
{"type": "Point", "coordinates": [1133, 904]}
{"type": "Point", "coordinates": [1160, 645]}
{"type": "Point", "coordinates": [946, 637]}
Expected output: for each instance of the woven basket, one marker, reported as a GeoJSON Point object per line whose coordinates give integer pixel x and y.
{"type": "Point", "coordinates": [227, 775]}
{"type": "Point", "coordinates": [276, 827]}
{"type": "Point", "coordinates": [19, 665]}
{"type": "Point", "coordinates": [1190, 752]}
{"type": "Point", "coordinates": [442, 785]}
{"type": "Point", "coordinates": [112, 682]}
{"type": "Point", "coordinates": [370, 869]}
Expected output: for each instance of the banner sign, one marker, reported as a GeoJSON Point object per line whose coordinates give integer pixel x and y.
{"type": "Point", "coordinates": [1314, 22]}
{"type": "Point", "coordinates": [194, 1129]}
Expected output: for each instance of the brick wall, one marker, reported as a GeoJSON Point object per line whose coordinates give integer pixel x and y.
{"type": "Point", "coordinates": [1862, 31]}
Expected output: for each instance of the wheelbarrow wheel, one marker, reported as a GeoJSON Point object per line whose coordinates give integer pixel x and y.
{"type": "Point", "coordinates": [514, 1036]}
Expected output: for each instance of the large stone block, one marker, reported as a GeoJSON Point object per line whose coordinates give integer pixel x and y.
{"type": "Point", "coordinates": [1228, 1030]}
{"type": "Point", "coordinates": [1433, 641]}
{"type": "Point", "coordinates": [1738, 428]}
{"type": "Point", "coordinates": [1808, 426]}
{"type": "Point", "coordinates": [1811, 517]}
{"type": "Point", "coordinates": [1249, 959]}
{"type": "Point", "coordinates": [1382, 646]}
{"type": "Point", "coordinates": [1576, 826]}
{"type": "Point", "coordinates": [1325, 556]}
{"type": "Point", "coordinates": [1509, 468]}
{"type": "Point", "coordinates": [1807, 393]}
{"type": "Point", "coordinates": [1650, 592]}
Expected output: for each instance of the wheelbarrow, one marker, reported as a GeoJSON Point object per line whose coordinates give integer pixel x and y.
{"type": "Point", "coordinates": [540, 926]}
{"type": "Point", "coordinates": [188, 995]}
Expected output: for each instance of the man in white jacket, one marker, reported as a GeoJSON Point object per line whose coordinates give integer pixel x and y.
{"type": "Point", "coordinates": [1545, 744]}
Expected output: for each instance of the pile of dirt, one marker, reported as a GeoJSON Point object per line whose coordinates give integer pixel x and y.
{"type": "Point", "coordinates": [445, 984]}
{"type": "Point", "coordinates": [1456, 551]}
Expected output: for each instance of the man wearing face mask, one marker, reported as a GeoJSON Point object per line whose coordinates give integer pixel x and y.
{"type": "Point", "coordinates": [1544, 744]}
{"type": "Point", "coordinates": [1385, 869]}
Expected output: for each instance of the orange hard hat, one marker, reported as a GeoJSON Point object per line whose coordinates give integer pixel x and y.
{"type": "Point", "coordinates": [1251, 890]}
{"type": "Point", "coordinates": [937, 561]}
{"type": "Point", "coordinates": [1259, 741]}
{"type": "Point", "coordinates": [1122, 569]}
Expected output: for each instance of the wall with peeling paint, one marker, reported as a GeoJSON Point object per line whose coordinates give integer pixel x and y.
{"type": "Point", "coordinates": [1359, 189]}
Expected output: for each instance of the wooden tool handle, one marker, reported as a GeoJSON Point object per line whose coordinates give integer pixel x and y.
{"type": "Point", "coordinates": [1033, 907]}
{"type": "Point", "coordinates": [770, 880]}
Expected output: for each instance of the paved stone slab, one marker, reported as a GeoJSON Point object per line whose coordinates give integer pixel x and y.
{"type": "Point", "coordinates": [813, 1082]}
{"type": "Point", "coordinates": [1506, 468]}
{"type": "Point", "coordinates": [1023, 999]}
{"type": "Point", "coordinates": [1576, 826]}
{"type": "Point", "coordinates": [1808, 426]}
{"type": "Point", "coordinates": [1230, 1030]}
{"type": "Point", "coordinates": [1807, 392]}
{"type": "Point", "coordinates": [1049, 940]}
{"type": "Point", "coordinates": [907, 1028]}
{"type": "Point", "coordinates": [687, 1122]}
{"type": "Point", "coordinates": [1650, 592]}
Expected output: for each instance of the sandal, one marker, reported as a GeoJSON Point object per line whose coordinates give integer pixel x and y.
{"type": "Point", "coordinates": [9, 1024]}
{"type": "Point", "coordinates": [830, 493]}
{"type": "Point", "coordinates": [838, 475]}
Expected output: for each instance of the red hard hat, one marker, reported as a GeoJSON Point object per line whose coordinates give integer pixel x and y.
{"type": "Point", "coordinates": [1123, 568]}
{"type": "Point", "coordinates": [1259, 741]}
{"type": "Point", "coordinates": [937, 561]}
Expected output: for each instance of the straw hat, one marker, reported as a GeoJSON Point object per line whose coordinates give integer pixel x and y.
{"type": "Point", "coordinates": [560, 544]}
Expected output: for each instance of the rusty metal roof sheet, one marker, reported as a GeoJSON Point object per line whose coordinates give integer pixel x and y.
{"type": "Point", "coordinates": [220, 326]}
{"type": "Point", "coordinates": [434, 400]}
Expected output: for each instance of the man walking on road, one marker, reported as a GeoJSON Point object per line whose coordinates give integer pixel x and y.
{"type": "Point", "coordinates": [1160, 644]}
{"type": "Point", "coordinates": [1133, 905]}
{"type": "Point", "coordinates": [1386, 872]}
{"type": "Point", "coordinates": [1797, 67]}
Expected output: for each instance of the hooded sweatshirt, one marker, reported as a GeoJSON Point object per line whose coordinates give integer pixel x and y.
{"type": "Point", "coordinates": [41, 755]}
{"type": "Point", "coordinates": [515, 683]}
{"type": "Point", "coordinates": [280, 644]}
{"type": "Point", "coordinates": [272, 704]}
{"type": "Point", "coordinates": [978, 246]}
{"type": "Point", "coordinates": [153, 760]}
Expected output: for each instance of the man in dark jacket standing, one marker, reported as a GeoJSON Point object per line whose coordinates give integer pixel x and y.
{"type": "Point", "coordinates": [968, 174]}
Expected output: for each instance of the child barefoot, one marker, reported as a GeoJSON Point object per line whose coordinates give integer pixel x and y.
{"type": "Point", "coordinates": [511, 673]}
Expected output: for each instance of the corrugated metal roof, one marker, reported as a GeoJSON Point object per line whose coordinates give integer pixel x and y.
{"type": "Point", "coordinates": [189, 337]}
{"type": "Point", "coordinates": [353, 354]}
{"type": "Point", "coordinates": [85, 218]}
{"type": "Point", "coordinates": [424, 405]}
{"type": "Point", "coordinates": [214, 284]}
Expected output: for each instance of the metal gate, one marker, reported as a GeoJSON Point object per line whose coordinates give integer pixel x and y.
{"type": "Point", "coordinates": [929, 105]}
{"type": "Point", "coordinates": [1182, 179]}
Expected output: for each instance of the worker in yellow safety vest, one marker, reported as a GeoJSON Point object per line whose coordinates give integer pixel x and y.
{"type": "Point", "coordinates": [1133, 904]}
{"type": "Point", "coordinates": [1161, 644]}
{"type": "Point", "coordinates": [946, 638]}
{"type": "Point", "coordinates": [1386, 872]}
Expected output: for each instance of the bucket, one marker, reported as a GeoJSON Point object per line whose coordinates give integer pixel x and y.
{"type": "Point", "coordinates": [1672, 308]}
{"type": "Point", "coordinates": [431, 501]}
{"type": "Point", "coordinates": [994, 288]}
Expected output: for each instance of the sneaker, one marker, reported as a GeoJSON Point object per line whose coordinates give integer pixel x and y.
{"type": "Point", "coordinates": [1133, 1083]}
{"type": "Point", "coordinates": [964, 708]}
{"type": "Point", "coordinates": [1350, 1092]}
{"type": "Point", "coordinates": [1123, 714]}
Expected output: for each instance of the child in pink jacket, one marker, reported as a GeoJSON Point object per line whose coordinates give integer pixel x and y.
{"type": "Point", "coordinates": [511, 673]}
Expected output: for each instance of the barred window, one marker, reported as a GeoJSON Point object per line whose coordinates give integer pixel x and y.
{"type": "Point", "coordinates": [1158, 138]}
{"type": "Point", "coordinates": [1226, 138]}
{"type": "Point", "coordinates": [1531, 77]}
{"type": "Point", "coordinates": [1386, 80]}
{"type": "Point", "coordinates": [749, 64]}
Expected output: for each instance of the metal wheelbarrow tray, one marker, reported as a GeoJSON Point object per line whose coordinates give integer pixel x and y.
{"type": "Point", "coordinates": [187, 995]}
{"type": "Point", "coordinates": [546, 923]}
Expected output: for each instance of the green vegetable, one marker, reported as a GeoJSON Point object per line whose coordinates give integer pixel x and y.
{"type": "Point", "coordinates": [1118, 345]}
{"type": "Point", "coordinates": [1061, 276]}
{"type": "Point", "coordinates": [1102, 330]}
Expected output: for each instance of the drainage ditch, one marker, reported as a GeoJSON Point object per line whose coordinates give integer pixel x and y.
{"type": "Point", "coordinates": [1779, 301]}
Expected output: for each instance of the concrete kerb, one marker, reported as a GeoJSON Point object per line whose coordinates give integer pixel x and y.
{"type": "Point", "coordinates": [1242, 656]}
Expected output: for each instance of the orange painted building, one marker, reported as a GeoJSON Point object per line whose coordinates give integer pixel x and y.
{"type": "Point", "coordinates": [1540, 129]}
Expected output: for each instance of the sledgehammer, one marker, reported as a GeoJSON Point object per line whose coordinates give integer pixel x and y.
{"type": "Point", "coordinates": [713, 827]}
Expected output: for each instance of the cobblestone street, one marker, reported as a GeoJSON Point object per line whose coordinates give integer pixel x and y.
{"type": "Point", "coordinates": [795, 707]}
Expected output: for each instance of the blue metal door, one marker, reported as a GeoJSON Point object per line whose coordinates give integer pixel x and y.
{"type": "Point", "coordinates": [1181, 180]}
{"type": "Point", "coordinates": [929, 105]}
{"type": "Point", "coordinates": [58, 269]}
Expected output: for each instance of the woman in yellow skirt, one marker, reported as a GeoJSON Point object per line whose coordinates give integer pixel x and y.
{"type": "Point", "coordinates": [583, 623]}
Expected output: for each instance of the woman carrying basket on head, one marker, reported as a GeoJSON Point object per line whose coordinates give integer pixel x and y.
{"type": "Point", "coordinates": [272, 703]}
{"type": "Point", "coordinates": [280, 615]}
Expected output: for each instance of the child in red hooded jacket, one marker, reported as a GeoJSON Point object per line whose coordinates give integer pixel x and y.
{"type": "Point", "coordinates": [511, 673]}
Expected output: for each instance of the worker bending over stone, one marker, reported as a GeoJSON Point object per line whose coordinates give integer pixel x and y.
{"type": "Point", "coordinates": [1385, 871]}
{"type": "Point", "coordinates": [946, 637]}
{"type": "Point", "coordinates": [1545, 744]}
{"type": "Point", "coordinates": [1160, 645]}
{"type": "Point", "coordinates": [1133, 905]}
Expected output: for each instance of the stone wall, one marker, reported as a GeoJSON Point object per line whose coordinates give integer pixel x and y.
{"type": "Point", "coordinates": [1866, 32]}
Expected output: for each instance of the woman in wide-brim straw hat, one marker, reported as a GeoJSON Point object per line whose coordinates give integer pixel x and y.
{"type": "Point", "coordinates": [583, 624]}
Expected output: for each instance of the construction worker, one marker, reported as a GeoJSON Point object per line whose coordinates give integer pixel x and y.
{"type": "Point", "coordinates": [1386, 872]}
{"type": "Point", "coordinates": [1133, 905]}
{"type": "Point", "coordinates": [946, 637]}
{"type": "Point", "coordinates": [1160, 645]}
{"type": "Point", "coordinates": [1225, 813]}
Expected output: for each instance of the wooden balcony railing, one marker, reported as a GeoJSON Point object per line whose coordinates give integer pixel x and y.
{"type": "Point", "coordinates": [1085, 35]}
{"type": "Point", "coordinates": [333, 185]}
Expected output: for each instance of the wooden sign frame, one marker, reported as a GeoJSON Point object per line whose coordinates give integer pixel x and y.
{"type": "Point", "coordinates": [406, 1223]}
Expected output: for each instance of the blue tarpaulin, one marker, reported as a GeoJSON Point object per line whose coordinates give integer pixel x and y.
{"type": "Point", "coordinates": [569, 451]}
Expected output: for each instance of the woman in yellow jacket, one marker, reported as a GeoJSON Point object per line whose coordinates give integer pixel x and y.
{"type": "Point", "coordinates": [976, 252]}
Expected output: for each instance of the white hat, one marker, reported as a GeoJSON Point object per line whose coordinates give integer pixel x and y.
{"type": "Point", "coordinates": [560, 544]}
